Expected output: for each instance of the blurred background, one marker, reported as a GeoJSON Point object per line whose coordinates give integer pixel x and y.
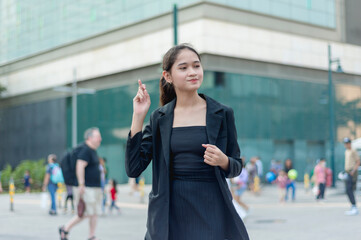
{"type": "Point", "coordinates": [290, 69]}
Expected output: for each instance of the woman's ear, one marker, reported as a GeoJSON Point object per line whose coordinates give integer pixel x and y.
{"type": "Point", "coordinates": [167, 76]}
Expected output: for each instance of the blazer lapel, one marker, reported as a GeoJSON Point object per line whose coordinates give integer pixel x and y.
{"type": "Point", "coordinates": [165, 126]}
{"type": "Point", "coordinates": [213, 120]}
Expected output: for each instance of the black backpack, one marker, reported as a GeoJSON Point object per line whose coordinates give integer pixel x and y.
{"type": "Point", "coordinates": [68, 166]}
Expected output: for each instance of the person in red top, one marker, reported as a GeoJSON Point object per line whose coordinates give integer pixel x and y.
{"type": "Point", "coordinates": [113, 193]}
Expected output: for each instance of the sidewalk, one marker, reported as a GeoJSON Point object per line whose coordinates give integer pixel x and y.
{"type": "Point", "coordinates": [303, 219]}
{"type": "Point", "coordinates": [269, 220]}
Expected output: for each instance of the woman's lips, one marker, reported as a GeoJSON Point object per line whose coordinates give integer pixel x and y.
{"type": "Point", "coordinates": [193, 80]}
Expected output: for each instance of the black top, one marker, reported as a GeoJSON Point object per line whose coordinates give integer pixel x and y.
{"type": "Point", "coordinates": [92, 172]}
{"type": "Point", "coordinates": [187, 150]}
{"type": "Point", "coordinates": [287, 169]}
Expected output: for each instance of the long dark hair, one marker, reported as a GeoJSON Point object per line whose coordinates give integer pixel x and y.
{"type": "Point", "coordinates": [287, 168]}
{"type": "Point", "coordinates": [167, 92]}
{"type": "Point", "coordinates": [114, 185]}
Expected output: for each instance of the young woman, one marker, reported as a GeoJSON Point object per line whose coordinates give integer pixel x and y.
{"type": "Point", "coordinates": [192, 141]}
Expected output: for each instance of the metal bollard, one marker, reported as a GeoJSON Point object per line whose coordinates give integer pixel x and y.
{"type": "Point", "coordinates": [59, 193]}
{"type": "Point", "coordinates": [11, 193]}
{"type": "Point", "coordinates": [306, 181]}
{"type": "Point", "coordinates": [141, 189]}
{"type": "Point", "coordinates": [257, 182]}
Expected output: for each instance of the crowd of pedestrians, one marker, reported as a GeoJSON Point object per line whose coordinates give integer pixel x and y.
{"type": "Point", "coordinates": [90, 187]}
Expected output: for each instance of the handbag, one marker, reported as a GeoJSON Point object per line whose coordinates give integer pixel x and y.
{"type": "Point", "coordinates": [81, 207]}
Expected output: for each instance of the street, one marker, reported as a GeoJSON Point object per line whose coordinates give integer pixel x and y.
{"type": "Point", "coordinates": [268, 220]}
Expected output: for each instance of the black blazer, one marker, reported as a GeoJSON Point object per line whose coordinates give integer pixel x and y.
{"type": "Point", "coordinates": [154, 143]}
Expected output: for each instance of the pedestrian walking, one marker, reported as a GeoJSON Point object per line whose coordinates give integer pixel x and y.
{"type": "Point", "coordinates": [291, 183]}
{"type": "Point", "coordinates": [251, 167]}
{"type": "Point", "coordinates": [320, 178]}
{"type": "Point", "coordinates": [192, 141]}
{"type": "Point", "coordinates": [103, 171]}
{"type": "Point", "coordinates": [259, 165]}
{"type": "Point", "coordinates": [48, 183]}
{"type": "Point", "coordinates": [240, 183]}
{"type": "Point", "coordinates": [88, 178]}
{"type": "Point", "coordinates": [113, 194]}
{"type": "Point", "coordinates": [69, 196]}
{"type": "Point", "coordinates": [352, 162]}
{"type": "Point", "coordinates": [27, 181]}
{"type": "Point", "coordinates": [282, 181]}
{"type": "Point", "coordinates": [134, 184]}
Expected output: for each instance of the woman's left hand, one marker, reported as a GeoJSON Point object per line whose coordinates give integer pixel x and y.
{"type": "Point", "coordinates": [215, 157]}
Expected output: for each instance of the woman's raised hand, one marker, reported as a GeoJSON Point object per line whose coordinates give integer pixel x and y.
{"type": "Point", "coordinates": [141, 101]}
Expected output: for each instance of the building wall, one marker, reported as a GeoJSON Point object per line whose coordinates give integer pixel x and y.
{"type": "Point", "coordinates": [32, 131]}
{"type": "Point", "coordinates": [31, 27]}
{"type": "Point", "coordinates": [207, 35]}
{"type": "Point", "coordinates": [353, 26]}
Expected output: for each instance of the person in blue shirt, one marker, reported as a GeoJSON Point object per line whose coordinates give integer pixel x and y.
{"type": "Point", "coordinates": [27, 181]}
{"type": "Point", "coordinates": [52, 187]}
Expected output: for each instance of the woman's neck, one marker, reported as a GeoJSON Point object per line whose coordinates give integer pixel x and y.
{"type": "Point", "coordinates": [188, 100]}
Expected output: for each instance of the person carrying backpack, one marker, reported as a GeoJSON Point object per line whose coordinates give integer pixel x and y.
{"type": "Point", "coordinates": [53, 176]}
{"type": "Point", "coordinates": [82, 163]}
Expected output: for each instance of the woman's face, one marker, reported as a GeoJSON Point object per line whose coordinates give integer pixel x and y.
{"type": "Point", "coordinates": [186, 73]}
{"type": "Point", "coordinates": [288, 163]}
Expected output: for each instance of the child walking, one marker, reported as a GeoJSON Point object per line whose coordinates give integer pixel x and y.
{"type": "Point", "coordinates": [69, 196]}
{"type": "Point", "coordinates": [320, 178]}
{"type": "Point", "coordinates": [27, 181]}
{"type": "Point", "coordinates": [282, 181]}
{"type": "Point", "coordinates": [113, 193]}
{"type": "Point", "coordinates": [240, 183]}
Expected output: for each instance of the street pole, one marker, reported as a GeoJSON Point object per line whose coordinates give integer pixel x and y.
{"type": "Point", "coordinates": [331, 115]}
{"type": "Point", "coordinates": [175, 24]}
{"type": "Point", "coordinates": [74, 128]}
{"type": "Point", "coordinates": [74, 90]}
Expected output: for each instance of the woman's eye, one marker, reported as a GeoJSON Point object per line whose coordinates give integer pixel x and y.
{"type": "Point", "coordinates": [197, 66]}
{"type": "Point", "coordinates": [183, 68]}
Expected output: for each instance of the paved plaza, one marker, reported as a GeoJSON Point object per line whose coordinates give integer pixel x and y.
{"type": "Point", "coordinates": [268, 220]}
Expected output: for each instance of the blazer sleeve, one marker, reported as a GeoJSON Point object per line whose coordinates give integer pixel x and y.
{"type": "Point", "coordinates": [139, 152]}
{"type": "Point", "coordinates": [233, 152]}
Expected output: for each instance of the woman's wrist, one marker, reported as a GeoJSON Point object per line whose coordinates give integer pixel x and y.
{"type": "Point", "coordinates": [138, 118]}
{"type": "Point", "coordinates": [225, 164]}
{"type": "Point", "coordinates": [137, 124]}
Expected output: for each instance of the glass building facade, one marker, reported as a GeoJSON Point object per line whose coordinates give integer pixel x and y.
{"type": "Point", "coordinates": [275, 118]}
{"type": "Point", "coordinates": [30, 27]}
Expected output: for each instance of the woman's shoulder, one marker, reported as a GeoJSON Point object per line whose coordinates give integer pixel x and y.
{"type": "Point", "coordinates": [217, 104]}
{"type": "Point", "coordinates": [167, 108]}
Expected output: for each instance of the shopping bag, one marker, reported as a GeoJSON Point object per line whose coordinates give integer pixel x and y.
{"type": "Point", "coordinates": [315, 190]}
{"type": "Point", "coordinates": [44, 199]}
{"type": "Point", "coordinates": [81, 207]}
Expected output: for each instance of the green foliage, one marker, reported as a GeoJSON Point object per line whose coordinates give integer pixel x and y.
{"type": "Point", "coordinates": [2, 88]}
{"type": "Point", "coordinates": [5, 176]}
{"type": "Point", "coordinates": [36, 169]}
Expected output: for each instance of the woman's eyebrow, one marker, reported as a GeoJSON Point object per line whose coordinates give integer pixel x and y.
{"type": "Point", "coordinates": [184, 63]}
